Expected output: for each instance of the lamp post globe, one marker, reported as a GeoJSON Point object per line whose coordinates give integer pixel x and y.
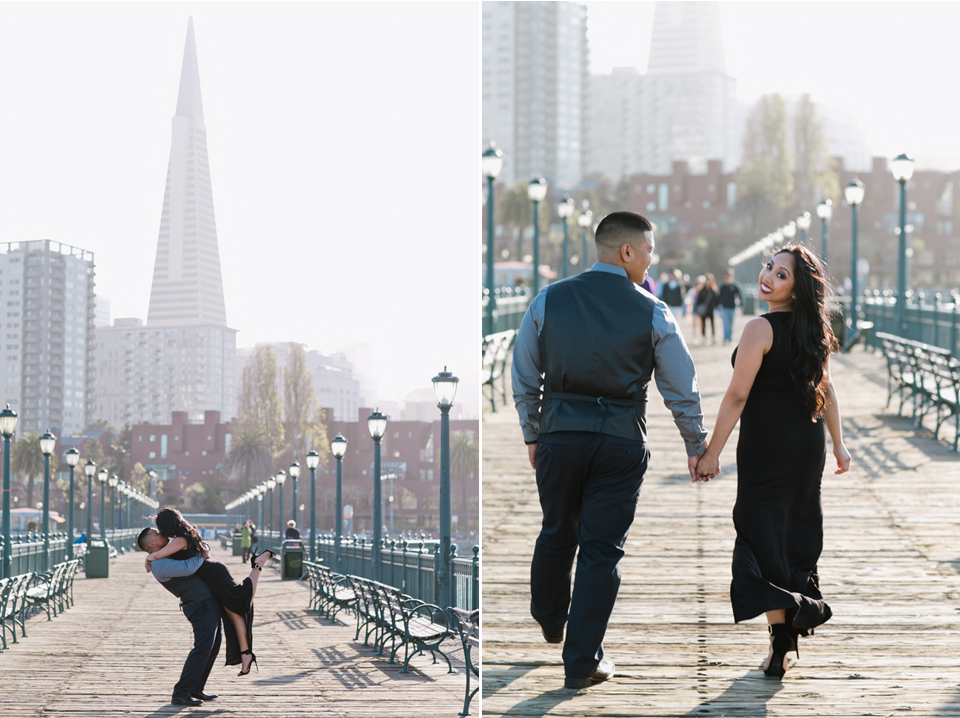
{"type": "Point", "coordinates": [854, 193]}
{"type": "Point", "coordinates": [377, 425]}
{"type": "Point", "coordinates": [48, 442]}
{"type": "Point", "coordinates": [338, 447]}
{"type": "Point", "coordinates": [790, 230]}
{"type": "Point", "coordinates": [902, 169]}
{"type": "Point", "coordinates": [537, 192]}
{"type": "Point", "coordinates": [72, 457]}
{"type": "Point", "coordinates": [445, 388]}
{"type": "Point", "coordinates": [803, 224]}
{"type": "Point", "coordinates": [112, 482]}
{"type": "Point", "coordinates": [8, 424]}
{"type": "Point", "coordinates": [491, 163]}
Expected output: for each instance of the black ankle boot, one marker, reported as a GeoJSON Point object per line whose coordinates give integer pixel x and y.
{"type": "Point", "coordinates": [783, 643]}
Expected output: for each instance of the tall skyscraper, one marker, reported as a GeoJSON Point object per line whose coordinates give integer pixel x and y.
{"type": "Point", "coordinates": [184, 358]}
{"type": "Point", "coordinates": [683, 109]}
{"type": "Point", "coordinates": [47, 318]}
{"type": "Point", "coordinates": [535, 75]}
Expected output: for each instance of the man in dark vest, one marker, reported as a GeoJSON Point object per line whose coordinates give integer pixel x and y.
{"type": "Point", "coordinates": [200, 608]}
{"type": "Point", "coordinates": [586, 350]}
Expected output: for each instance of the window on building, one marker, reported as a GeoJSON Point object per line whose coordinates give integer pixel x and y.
{"type": "Point", "coordinates": [163, 446]}
{"type": "Point", "coordinates": [153, 454]}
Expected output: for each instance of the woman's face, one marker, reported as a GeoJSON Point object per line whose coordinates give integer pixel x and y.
{"type": "Point", "coordinates": [777, 279]}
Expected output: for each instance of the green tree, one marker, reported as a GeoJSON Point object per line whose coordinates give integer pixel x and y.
{"type": "Point", "coordinates": [202, 498]}
{"type": "Point", "coordinates": [812, 166]}
{"type": "Point", "coordinates": [298, 402]}
{"type": "Point", "coordinates": [765, 185]}
{"type": "Point", "coordinates": [250, 457]}
{"type": "Point", "coordinates": [464, 470]}
{"type": "Point", "coordinates": [260, 407]}
{"type": "Point", "coordinates": [26, 460]}
{"type": "Point", "coordinates": [515, 211]}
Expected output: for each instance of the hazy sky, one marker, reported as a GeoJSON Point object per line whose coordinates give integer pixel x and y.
{"type": "Point", "coordinates": [891, 65]}
{"type": "Point", "coordinates": [343, 156]}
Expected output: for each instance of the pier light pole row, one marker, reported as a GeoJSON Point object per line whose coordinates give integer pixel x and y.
{"type": "Point", "coordinates": [585, 220]}
{"type": "Point", "coordinates": [564, 211]}
{"type": "Point", "coordinates": [103, 475]}
{"type": "Point", "coordinates": [281, 478]}
{"type": "Point", "coordinates": [89, 470]}
{"type": "Point", "coordinates": [825, 212]}
{"type": "Point", "coordinates": [803, 224]}
{"type": "Point", "coordinates": [313, 461]}
{"type": "Point", "coordinates": [294, 471]}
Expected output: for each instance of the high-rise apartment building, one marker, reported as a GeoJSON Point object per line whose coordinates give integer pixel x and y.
{"type": "Point", "coordinates": [184, 358]}
{"type": "Point", "coordinates": [46, 332]}
{"type": "Point", "coordinates": [683, 109]}
{"type": "Point", "coordinates": [535, 75]}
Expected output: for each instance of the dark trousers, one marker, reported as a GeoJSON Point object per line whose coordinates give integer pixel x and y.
{"type": "Point", "coordinates": [205, 619]}
{"type": "Point", "coordinates": [589, 485]}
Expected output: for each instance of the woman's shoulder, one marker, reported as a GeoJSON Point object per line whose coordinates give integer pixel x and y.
{"type": "Point", "coordinates": [758, 331]}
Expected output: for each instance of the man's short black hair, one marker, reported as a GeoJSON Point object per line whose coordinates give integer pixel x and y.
{"type": "Point", "coordinates": [142, 539]}
{"type": "Point", "coordinates": [619, 228]}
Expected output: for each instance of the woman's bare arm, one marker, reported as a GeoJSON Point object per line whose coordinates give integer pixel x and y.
{"type": "Point", "coordinates": [831, 416]}
{"type": "Point", "coordinates": [756, 340]}
{"type": "Point", "coordinates": [177, 543]}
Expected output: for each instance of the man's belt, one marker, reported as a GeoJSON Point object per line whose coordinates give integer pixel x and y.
{"type": "Point", "coordinates": [603, 401]}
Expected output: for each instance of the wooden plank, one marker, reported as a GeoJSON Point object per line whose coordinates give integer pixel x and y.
{"type": "Point", "coordinates": [889, 570]}
{"type": "Point", "coordinates": [120, 650]}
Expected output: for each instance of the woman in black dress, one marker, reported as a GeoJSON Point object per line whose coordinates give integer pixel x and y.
{"type": "Point", "coordinates": [783, 397]}
{"type": "Point", "coordinates": [236, 600]}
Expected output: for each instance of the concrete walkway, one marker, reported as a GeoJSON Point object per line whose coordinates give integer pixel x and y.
{"type": "Point", "coordinates": [889, 570]}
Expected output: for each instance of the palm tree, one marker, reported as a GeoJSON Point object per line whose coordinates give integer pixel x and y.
{"type": "Point", "coordinates": [26, 460]}
{"type": "Point", "coordinates": [250, 455]}
{"type": "Point", "coordinates": [464, 468]}
{"type": "Point", "coordinates": [514, 210]}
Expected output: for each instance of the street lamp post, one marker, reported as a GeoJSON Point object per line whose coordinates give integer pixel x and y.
{"type": "Point", "coordinates": [377, 425]}
{"type": "Point", "coordinates": [48, 442]}
{"type": "Point", "coordinates": [803, 224]}
{"type": "Point", "coordinates": [8, 424]}
{"type": "Point", "coordinates": [89, 470]}
{"type": "Point", "coordinates": [271, 484]}
{"type": "Point", "coordinates": [281, 477]}
{"type": "Point", "coordinates": [103, 475]}
{"type": "Point", "coordinates": [564, 210]}
{"type": "Point", "coordinates": [260, 502]}
{"type": "Point", "coordinates": [491, 163]}
{"type": "Point", "coordinates": [902, 168]}
{"type": "Point", "coordinates": [313, 461]}
{"type": "Point", "coordinates": [112, 482]}
{"type": "Point", "coordinates": [853, 193]}
{"type": "Point", "coordinates": [294, 471]}
{"type": "Point", "coordinates": [789, 231]}
{"type": "Point", "coordinates": [445, 388]}
{"type": "Point", "coordinates": [72, 457]}
{"type": "Point", "coordinates": [338, 446]}
{"type": "Point", "coordinates": [825, 212]}
{"type": "Point", "coordinates": [536, 191]}
{"type": "Point", "coordinates": [585, 220]}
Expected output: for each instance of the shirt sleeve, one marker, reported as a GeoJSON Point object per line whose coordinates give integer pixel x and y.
{"type": "Point", "coordinates": [676, 379]}
{"type": "Point", "coordinates": [166, 568]}
{"type": "Point", "coordinates": [526, 371]}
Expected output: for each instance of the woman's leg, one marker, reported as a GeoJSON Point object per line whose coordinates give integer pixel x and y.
{"type": "Point", "coordinates": [773, 617]}
{"type": "Point", "coordinates": [240, 626]}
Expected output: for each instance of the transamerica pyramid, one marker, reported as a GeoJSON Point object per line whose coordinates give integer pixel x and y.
{"type": "Point", "coordinates": [187, 287]}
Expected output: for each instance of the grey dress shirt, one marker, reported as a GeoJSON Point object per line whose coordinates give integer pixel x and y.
{"type": "Point", "coordinates": [166, 568]}
{"type": "Point", "coordinates": [674, 372]}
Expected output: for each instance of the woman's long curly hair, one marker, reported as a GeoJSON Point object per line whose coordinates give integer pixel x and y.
{"type": "Point", "coordinates": [170, 524]}
{"type": "Point", "coordinates": [810, 337]}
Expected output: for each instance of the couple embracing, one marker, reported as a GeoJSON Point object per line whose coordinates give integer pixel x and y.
{"type": "Point", "coordinates": [585, 353]}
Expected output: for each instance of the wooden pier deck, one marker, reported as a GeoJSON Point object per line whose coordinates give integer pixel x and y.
{"type": "Point", "coordinates": [119, 650]}
{"type": "Point", "coordinates": [889, 570]}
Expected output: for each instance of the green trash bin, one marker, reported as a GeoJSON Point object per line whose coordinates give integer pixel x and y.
{"type": "Point", "coordinates": [237, 545]}
{"type": "Point", "coordinates": [97, 563]}
{"type": "Point", "coordinates": [291, 560]}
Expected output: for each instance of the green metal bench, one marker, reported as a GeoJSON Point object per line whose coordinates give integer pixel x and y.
{"type": "Point", "coordinates": [13, 604]}
{"type": "Point", "coordinates": [467, 624]}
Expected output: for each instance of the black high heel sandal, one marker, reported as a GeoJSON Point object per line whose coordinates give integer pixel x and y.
{"type": "Point", "coordinates": [254, 556]}
{"type": "Point", "coordinates": [783, 642]}
{"type": "Point", "coordinates": [253, 660]}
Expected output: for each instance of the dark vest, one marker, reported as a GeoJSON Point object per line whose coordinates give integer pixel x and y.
{"type": "Point", "coordinates": [672, 296]}
{"type": "Point", "coordinates": [596, 349]}
{"type": "Point", "coordinates": [189, 589]}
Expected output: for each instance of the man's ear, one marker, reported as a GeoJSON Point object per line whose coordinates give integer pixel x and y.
{"type": "Point", "coordinates": [625, 250]}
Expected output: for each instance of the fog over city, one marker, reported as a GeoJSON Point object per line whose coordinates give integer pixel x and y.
{"type": "Point", "coordinates": [882, 64]}
{"type": "Point", "coordinates": [342, 154]}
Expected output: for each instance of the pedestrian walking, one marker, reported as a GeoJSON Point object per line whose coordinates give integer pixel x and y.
{"type": "Point", "coordinates": [731, 296]}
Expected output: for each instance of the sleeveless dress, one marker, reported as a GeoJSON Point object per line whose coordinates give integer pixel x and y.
{"type": "Point", "coordinates": [236, 597]}
{"type": "Point", "coordinates": [778, 516]}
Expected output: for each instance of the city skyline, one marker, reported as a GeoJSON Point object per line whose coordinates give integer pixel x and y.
{"type": "Point", "coordinates": [308, 110]}
{"type": "Point", "coordinates": [862, 58]}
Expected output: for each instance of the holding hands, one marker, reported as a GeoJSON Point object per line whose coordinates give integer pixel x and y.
{"type": "Point", "coordinates": [707, 467]}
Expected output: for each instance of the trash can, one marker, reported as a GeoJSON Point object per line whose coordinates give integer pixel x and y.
{"type": "Point", "coordinates": [98, 559]}
{"type": "Point", "coordinates": [749, 303]}
{"type": "Point", "coordinates": [291, 559]}
{"type": "Point", "coordinates": [237, 544]}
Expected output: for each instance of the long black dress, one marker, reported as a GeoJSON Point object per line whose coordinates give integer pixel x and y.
{"type": "Point", "coordinates": [778, 517]}
{"type": "Point", "coordinates": [233, 596]}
